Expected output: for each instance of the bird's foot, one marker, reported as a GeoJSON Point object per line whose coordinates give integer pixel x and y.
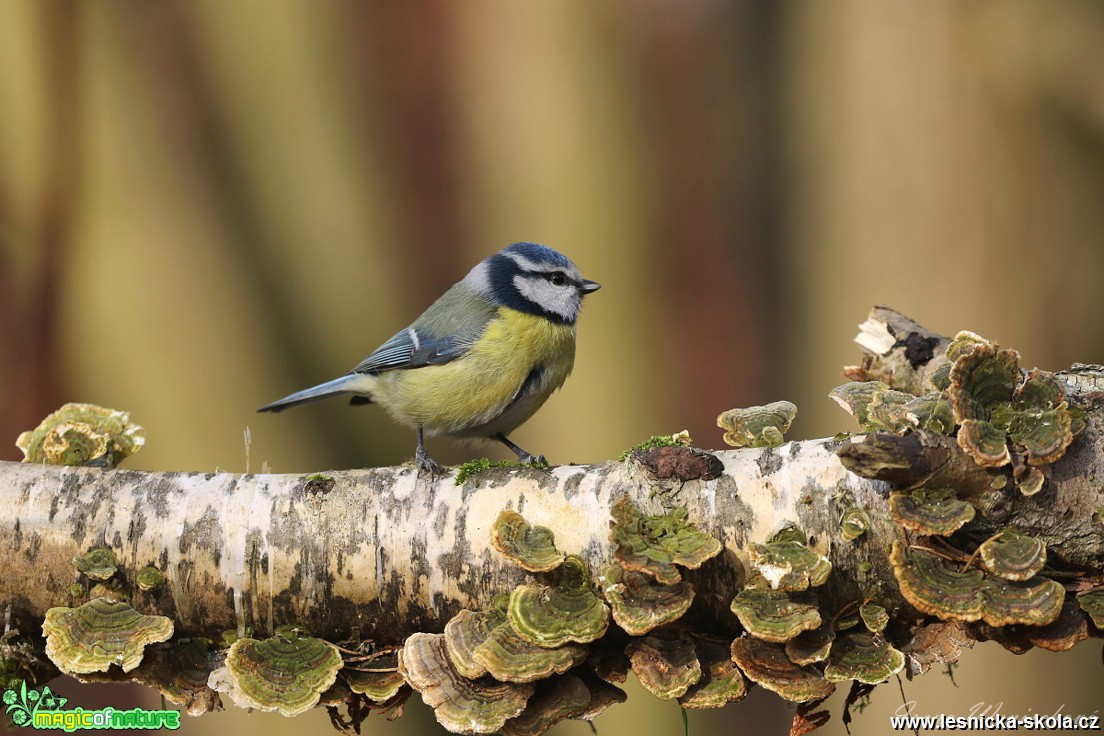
{"type": "Point", "coordinates": [426, 464]}
{"type": "Point", "coordinates": [524, 458]}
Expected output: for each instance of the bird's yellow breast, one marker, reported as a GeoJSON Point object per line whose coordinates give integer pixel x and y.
{"type": "Point", "coordinates": [471, 393]}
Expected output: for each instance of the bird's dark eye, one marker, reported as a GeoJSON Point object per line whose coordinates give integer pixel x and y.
{"type": "Point", "coordinates": [558, 278]}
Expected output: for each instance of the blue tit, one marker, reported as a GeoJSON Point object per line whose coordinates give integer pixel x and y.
{"type": "Point", "coordinates": [482, 359]}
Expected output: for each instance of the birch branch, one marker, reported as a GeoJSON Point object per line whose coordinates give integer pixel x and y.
{"type": "Point", "coordinates": [383, 553]}
{"type": "Point", "coordinates": [369, 558]}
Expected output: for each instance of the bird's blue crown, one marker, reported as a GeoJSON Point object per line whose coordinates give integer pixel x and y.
{"type": "Point", "coordinates": [538, 253]}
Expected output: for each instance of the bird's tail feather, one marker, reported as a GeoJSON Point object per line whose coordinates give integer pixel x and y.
{"type": "Point", "coordinates": [354, 383]}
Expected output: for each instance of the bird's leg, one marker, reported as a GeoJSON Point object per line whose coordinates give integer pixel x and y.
{"type": "Point", "coordinates": [523, 456]}
{"type": "Point", "coordinates": [422, 460]}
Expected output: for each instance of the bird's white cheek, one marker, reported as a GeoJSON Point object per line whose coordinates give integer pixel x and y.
{"type": "Point", "coordinates": [548, 296]}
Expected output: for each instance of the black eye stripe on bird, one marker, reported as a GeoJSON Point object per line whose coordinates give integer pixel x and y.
{"type": "Point", "coordinates": [481, 359]}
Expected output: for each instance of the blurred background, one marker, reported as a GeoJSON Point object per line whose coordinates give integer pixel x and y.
{"type": "Point", "coordinates": [206, 205]}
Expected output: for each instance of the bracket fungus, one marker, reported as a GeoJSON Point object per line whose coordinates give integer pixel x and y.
{"type": "Point", "coordinates": [932, 412]}
{"type": "Point", "coordinates": [1036, 602]}
{"type": "Point", "coordinates": [984, 442]}
{"type": "Point", "coordinates": [1061, 634]}
{"type": "Point", "coordinates": [509, 658]}
{"type": "Point", "coordinates": [789, 565]}
{"type": "Point", "coordinates": [854, 522]}
{"type": "Point", "coordinates": [933, 588]}
{"type": "Point", "coordinates": [566, 696]}
{"type": "Point", "coordinates": [639, 603]}
{"type": "Point", "coordinates": [379, 681]}
{"type": "Point", "coordinates": [810, 647]}
{"type": "Point", "coordinates": [855, 398]}
{"type": "Point", "coordinates": [467, 630]}
{"type": "Point", "coordinates": [1012, 556]}
{"type": "Point", "coordinates": [767, 664]}
{"type": "Point", "coordinates": [963, 343]}
{"type": "Point", "coordinates": [655, 544]}
{"type": "Point", "coordinates": [930, 511]}
{"type": "Point", "coordinates": [757, 426]}
{"type": "Point", "coordinates": [101, 633]}
{"type": "Point", "coordinates": [110, 589]}
{"type": "Point", "coordinates": [1030, 481]}
{"type": "Point", "coordinates": [286, 673]}
{"type": "Point", "coordinates": [862, 657]}
{"type": "Point", "coordinates": [602, 695]}
{"type": "Point", "coordinates": [609, 663]}
{"type": "Point", "coordinates": [788, 532]}
{"type": "Point", "coordinates": [552, 616]}
{"type": "Point", "coordinates": [82, 434]}
{"type": "Point", "coordinates": [770, 614]}
{"type": "Point", "coordinates": [876, 406]}
{"type": "Point", "coordinates": [99, 563]}
{"type": "Point", "coordinates": [1041, 420]}
{"type": "Point", "coordinates": [874, 617]}
{"type": "Point", "coordinates": [482, 643]}
{"type": "Point", "coordinates": [180, 673]}
{"type": "Point", "coordinates": [721, 681]}
{"type": "Point", "coordinates": [149, 578]}
{"type": "Point", "coordinates": [1092, 603]}
{"type": "Point", "coordinates": [983, 377]}
{"type": "Point", "coordinates": [665, 666]}
{"type": "Point", "coordinates": [888, 410]}
{"type": "Point", "coordinates": [532, 547]}
{"type": "Point", "coordinates": [229, 636]}
{"type": "Point", "coordinates": [935, 643]}
{"type": "Point", "coordinates": [459, 704]}
{"type": "Point", "coordinates": [994, 405]}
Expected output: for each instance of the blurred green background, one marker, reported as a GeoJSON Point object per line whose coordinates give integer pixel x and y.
{"type": "Point", "coordinates": [206, 205]}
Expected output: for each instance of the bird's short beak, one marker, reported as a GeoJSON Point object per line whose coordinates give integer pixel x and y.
{"type": "Point", "coordinates": [589, 286]}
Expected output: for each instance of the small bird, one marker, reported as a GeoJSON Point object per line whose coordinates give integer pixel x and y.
{"type": "Point", "coordinates": [481, 360]}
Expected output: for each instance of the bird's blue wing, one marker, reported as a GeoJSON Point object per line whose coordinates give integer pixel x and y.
{"type": "Point", "coordinates": [412, 349]}
{"type": "Point", "coordinates": [442, 333]}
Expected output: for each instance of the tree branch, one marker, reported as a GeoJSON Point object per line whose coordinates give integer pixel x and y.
{"type": "Point", "coordinates": [383, 553]}
{"type": "Point", "coordinates": [370, 557]}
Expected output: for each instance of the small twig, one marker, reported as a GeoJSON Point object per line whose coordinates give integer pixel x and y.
{"type": "Point", "coordinates": [972, 558]}
{"type": "Point", "coordinates": [381, 671]}
{"type": "Point", "coordinates": [849, 607]}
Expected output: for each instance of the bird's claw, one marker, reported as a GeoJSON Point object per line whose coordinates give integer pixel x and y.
{"type": "Point", "coordinates": [527, 459]}
{"type": "Point", "coordinates": [426, 464]}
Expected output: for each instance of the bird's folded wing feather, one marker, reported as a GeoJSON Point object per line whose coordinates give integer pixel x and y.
{"type": "Point", "coordinates": [408, 349]}
{"type": "Point", "coordinates": [438, 336]}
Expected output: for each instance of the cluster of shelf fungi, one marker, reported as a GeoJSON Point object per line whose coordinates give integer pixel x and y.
{"type": "Point", "coordinates": [559, 645]}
